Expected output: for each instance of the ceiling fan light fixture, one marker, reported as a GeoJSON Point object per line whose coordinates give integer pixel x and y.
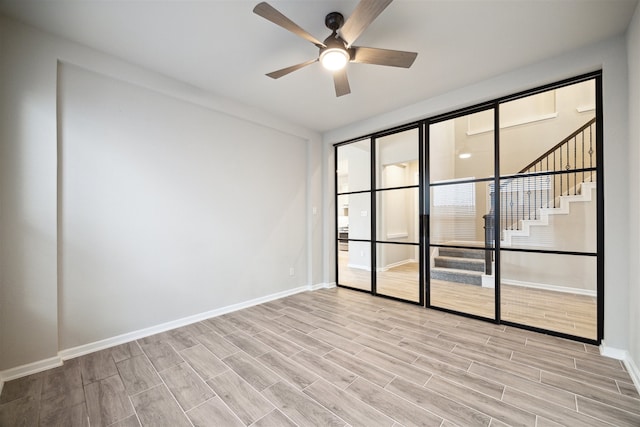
{"type": "Point", "coordinates": [334, 59]}
{"type": "Point", "coordinates": [337, 50]}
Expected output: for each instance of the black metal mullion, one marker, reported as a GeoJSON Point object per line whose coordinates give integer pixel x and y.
{"type": "Point", "coordinates": [425, 232]}
{"type": "Point", "coordinates": [335, 192]}
{"type": "Point", "coordinates": [496, 231]}
{"type": "Point", "coordinates": [421, 250]}
{"type": "Point", "coordinates": [546, 332]}
{"type": "Point", "coordinates": [373, 217]}
{"type": "Point", "coordinates": [599, 209]}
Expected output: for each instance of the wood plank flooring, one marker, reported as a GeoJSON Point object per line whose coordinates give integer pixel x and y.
{"type": "Point", "coordinates": [568, 313]}
{"type": "Point", "coordinates": [332, 357]}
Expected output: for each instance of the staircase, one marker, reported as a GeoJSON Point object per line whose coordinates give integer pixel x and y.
{"type": "Point", "coordinates": [527, 229]}
{"type": "Point", "coordinates": [543, 189]}
{"type": "Point", "coordinates": [459, 265]}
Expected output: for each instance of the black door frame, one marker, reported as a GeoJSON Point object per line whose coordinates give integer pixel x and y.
{"type": "Point", "coordinates": [424, 204]}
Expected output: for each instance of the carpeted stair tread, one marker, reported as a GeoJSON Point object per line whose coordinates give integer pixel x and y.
{"type": "Point", "coordinates": [472, 264]}
{"type": "Point", "coordinates": [456, 275]}
{"type": "Point", "coordinates": [462, 253]}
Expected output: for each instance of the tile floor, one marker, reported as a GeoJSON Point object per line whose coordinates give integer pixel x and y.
{"type": "Point", "coordinates": [332, 357]}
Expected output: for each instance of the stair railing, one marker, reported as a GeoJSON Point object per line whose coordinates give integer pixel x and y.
{"type": "Point", "coordinates": [558, 172]}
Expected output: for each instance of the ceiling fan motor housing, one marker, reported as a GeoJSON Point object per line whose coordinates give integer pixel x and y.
{"type": "Point", "coordinates": [334, 41]}
{"type": "Point", "coordinates": [334, 21]}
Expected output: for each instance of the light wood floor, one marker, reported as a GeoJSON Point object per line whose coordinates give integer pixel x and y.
{"type": "Point", "coordinates": [567, 313]}
{"type": "Point", "coordinates": [331, 357]}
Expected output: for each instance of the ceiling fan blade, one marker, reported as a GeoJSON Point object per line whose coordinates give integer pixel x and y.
{"type": "Point", "coordinates": [341, 82]}
{"type": "Point", "coordinates": [393, 58]}
{"type": "Point", "coordinates": [283, 72]}
{"type": "Point", "coordinates": [269, 13]}
{"type": "Point", "coordinates": [364, 14]}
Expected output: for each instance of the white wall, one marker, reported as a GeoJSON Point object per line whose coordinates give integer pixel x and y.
{"type": "Point", "coordinates": [28, 234]}
{"type": "Point", "coordinates": [168, 209]}
{"type": "Point", "coordinates": [171, 202]}
{"type": "Point", "coordinates": [611, 57]}
{"type": "Point", "coordinates": [633, 50]}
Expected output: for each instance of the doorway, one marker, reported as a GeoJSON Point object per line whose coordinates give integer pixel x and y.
{"type": "Point", "coordinates": [493, 212]}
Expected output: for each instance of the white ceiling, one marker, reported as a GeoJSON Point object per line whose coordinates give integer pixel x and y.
{"type": "Point", "coordinates": [224, 48]}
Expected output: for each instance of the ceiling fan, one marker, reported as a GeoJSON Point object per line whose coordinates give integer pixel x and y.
{"type": "Point", "coordinates": [337, 49]}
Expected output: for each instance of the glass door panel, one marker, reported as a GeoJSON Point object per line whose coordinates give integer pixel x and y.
{"type": "Point", "coordinates": [353, 215]}
{"type": "Point", "coordinates": [356, 215]}
{"type": "Point", "coordinates": [354, 249]}
{"type": "Point", "coordinates": [457, 213]}
{"type": "Point", "coordinates": [354, 265]}
{"type": "Point", "coordinates": [461, 252]}
{"type": "Point", "coordinates": [397, 159]}
{"type": "Point", "coordinates": [532, 216]}
{"type": "Point", "coordinates": [354, 166]}
{"type": "Point", "coordinates": [533, 127]}
{"type": "Point", "coordinates": [398, 216]}
{"type": "Point", "coordinates": [549, 211]}
{"type": "Point", "coordinates": [462, 148]}
{"type": "Point", "coordinates": [398, 271]}
{"type": "Point", "coordinates": [550, 291]}
{"type": "Point", "coordinates": [458, 281]}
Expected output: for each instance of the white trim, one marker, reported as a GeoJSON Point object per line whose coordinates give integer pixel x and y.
{"type": "Point", "coordinates": [585, 108]}
{"type": "Point", "coordinates": [565, 289]}
{"type": "Point", "coordinates": [399, 235]}
{"type": "Point", "coordinates": [28, 369]}
{"type": "Point", "coordinates": [70, 353]}
{"type": "Point", "coordinates": [318, 286]}
{"type": "Point", "coordinates": [359, 267]}
{"type": "Point", "coordinates": [625, 357]}
{"type": "Point", "coordinates": [633, 371]}
{"type": "Point", "coordinates": [396, 264]}
{"type": "Point", "coordinates": [614, 353]}
{"type": "Point", "coordinates": [514, 123]}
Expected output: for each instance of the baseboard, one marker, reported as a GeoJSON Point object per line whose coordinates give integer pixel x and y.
{"type": "Point", "coordinates": [142, 333]}
{"type": "Point", "coordinates": [633, 371]}
{"type": "Point", "coordinates": [359, 267]}
{"type": "Point", "coordinates": [625, 357]}
{"type": "Point", "coordinates": [28, 369]}
{"type": "Point", "coordinates": [322, 286]}
{"type": "Point", "coordinates": [564, 289]}
{"type": "Point", "coordinates": [70, 353]}
{"type": "Point", "coordinates": [395, 264]}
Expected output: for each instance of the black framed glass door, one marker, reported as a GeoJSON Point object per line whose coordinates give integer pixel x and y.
{"type": "Point", "coordinates": [378, 200]}
{"type": "Point", "coordinates": [493, 212]}
{"type": "Point", "coordinates": [550, 221]}
{"type": "Point", "coordinates": [397, 194]}
{"type": "Point", "coordinates": [461, 170]}
{"type": "Point", "coordinates": [353, 219]}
